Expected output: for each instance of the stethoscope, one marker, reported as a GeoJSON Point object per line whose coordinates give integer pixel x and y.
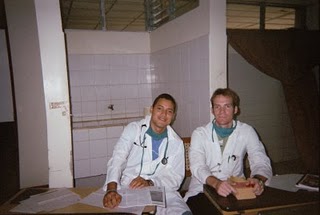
{"type": "Point", "coordinates": [164, 160]}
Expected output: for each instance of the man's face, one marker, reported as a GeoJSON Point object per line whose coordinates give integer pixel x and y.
{"type": "Point", "coordinates": [162, 115]}
{"type": "Point", "coordinates": [223, 110]}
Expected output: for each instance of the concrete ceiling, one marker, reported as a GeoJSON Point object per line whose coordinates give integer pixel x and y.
{"type": "Point", "coordinates": [129, 15]}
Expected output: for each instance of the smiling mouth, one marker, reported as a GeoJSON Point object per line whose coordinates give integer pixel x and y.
{"type": "Point", "coordinates": [162, 119]}
{"type": "Point", "coordinates": [221, 117]}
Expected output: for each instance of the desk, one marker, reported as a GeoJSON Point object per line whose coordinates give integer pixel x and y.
{"type": "Point", "coordinates": [271, 199]}
{"type": "Point", "coordinates": [72, 209]}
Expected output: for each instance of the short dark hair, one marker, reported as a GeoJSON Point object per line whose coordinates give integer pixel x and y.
{"type": "Point", "coordinates": [227, 92]}
{"type": "Point", "coordinates": [168, 97]}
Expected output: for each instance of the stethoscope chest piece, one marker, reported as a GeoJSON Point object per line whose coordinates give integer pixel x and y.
{"type": "Point", "coordinates": [164, 161]}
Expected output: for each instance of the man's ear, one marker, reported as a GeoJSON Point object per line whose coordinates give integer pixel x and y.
{"type": "Point", "coordinates": [173, 118]}
{"type": "Point", "coordinates": [212, 111]}
{"type": "Point", "coordinates": [235, 110]}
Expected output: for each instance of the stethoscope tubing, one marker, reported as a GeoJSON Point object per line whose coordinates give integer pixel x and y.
{"type": "Point", "coordinates": [164, 160]}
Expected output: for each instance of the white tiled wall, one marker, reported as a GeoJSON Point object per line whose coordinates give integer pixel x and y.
{"type": "Point", "coordinates": [183, 71]}
{"type": "Point", "coordinates": [92, 148]}
{"type": "Point", "coordinates": [98, 81]}
{"type": "Point", "coordinates": [131, 82]}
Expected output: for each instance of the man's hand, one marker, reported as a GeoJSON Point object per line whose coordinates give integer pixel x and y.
{"type": "Point", "coordinates": [139, 182]}
{"type": "Point", "coordinates": [258, 185]}
{"type": "Point", "coordinates": [111, 199]}
{"type": "Point", "coordinates": [223, 188]}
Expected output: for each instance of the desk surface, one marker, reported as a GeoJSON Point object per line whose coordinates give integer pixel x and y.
{"type": "Point", "coordinates": [72, 209]}
{"type": "Point", "coordinates": [271, 199]}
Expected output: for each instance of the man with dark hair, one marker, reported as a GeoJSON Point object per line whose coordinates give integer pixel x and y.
{"type": "Point", "coordinates": [149, 153]}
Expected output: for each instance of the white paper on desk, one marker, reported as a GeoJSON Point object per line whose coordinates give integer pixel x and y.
{"type": "Point", "coordinates": [59, 198]}
{"type": "Point", "coordinates": [96, 198]}
{"type": "Point", "coordinates": [131, 197]}
{"type": "Point", "coordinates": [142, 197]}
{"type": "Point", "coordinates": [285, 182]}
{"type": "Point", "coordinates": [23, 208]}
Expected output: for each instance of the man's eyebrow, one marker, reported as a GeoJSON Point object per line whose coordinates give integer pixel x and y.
{"type": "Point", "coordinates": [170, 108]}
{"type": "Point", "coordinates": [223, 104]}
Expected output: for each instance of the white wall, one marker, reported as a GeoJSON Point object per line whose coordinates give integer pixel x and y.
{"type": "Point", "coordinates": [188, 60]}
{"type": "Point", "coordinates": [96, 82]}
{"type": "Point", "coordinates": [6, 107]}
{"type": "Point", "coordinates": [187, 27]}
{"type": "Point", "coordinates": [100, 80]}
{"type": "Point", "coordinates": [180, 60]}
{"type": "Point", "coordinates": [107, 42]}
{"type": "Point", "coordinates": [183, 71]}
{"type": "Point", "coordinates": [207, 19]}
{"type": "Point", "coordinates": [55, 82]}
{"type": "Point", "coordinates": [105, 68]}
{"type": "Point", "coordinates": [178, 64]}
{"type": "Point", "coordinates": [93, 147]}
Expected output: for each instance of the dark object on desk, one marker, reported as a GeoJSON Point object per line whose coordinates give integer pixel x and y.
{"type": "Point", "coordinates": [309, 182]}
{"type": "Point", "coordinates": [270, 198]}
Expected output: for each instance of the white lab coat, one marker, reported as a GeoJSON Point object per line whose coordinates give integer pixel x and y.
{"type": "Point", "coordinates": [206, 158]}
{"type": "Point", "coordinates": [126, 164]}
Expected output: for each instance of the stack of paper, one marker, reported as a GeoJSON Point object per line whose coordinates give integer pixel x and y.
{"type": "Point", "coordinates": [131, 197]}
{"type": "Point", "coordinates": [48, 201]}
{"type": "Point", "coordinates": [309, 182]}
{"type": "Point", "coordinates": [142, 197]}
{"type": "Point", "coordinates": [285, 182]}
{"type": "Point", "coordinates": [96, 199]}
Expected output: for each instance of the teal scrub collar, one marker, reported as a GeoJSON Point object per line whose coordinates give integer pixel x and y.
{"type": "Point", "coordinates": [223, 132]}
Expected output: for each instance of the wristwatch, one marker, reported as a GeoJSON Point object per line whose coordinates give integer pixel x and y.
{"type": "Point", "coordinates": [261, 182]}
